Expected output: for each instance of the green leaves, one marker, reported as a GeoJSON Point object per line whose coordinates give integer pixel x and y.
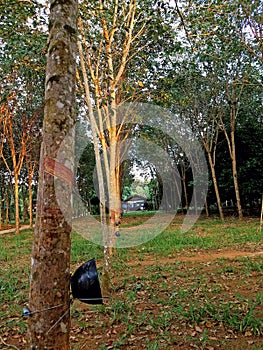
{"type": "Point", "coordinates": [23, 39]}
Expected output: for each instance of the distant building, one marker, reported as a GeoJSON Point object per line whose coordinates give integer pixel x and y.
{"type": "Point", "coordinates": [134, 203]}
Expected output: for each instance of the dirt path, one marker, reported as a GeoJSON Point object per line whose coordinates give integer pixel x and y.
{"type": "Point", "coordinates": [12, 230]}
{"type": "Point", "coordinates": [202, 257]}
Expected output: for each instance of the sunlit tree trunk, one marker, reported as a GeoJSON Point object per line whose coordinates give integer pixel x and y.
{"type": "Point", "coordinates": [17, 216]}
{"type": "Point", "coordinates": [106, 66]}
{"type": "Point", "coordinates": [17, 157]}
{"type": "Point", "coordinates": [17, 148]}
{"type": "Point", "coordinates": [50, 270]}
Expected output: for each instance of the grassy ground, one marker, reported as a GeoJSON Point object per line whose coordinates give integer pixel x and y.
{"type": "Point", "coordinates": [197, 290]}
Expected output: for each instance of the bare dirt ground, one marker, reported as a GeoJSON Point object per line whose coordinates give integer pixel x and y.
{"type": "Point", "coordinates": [199, 256]}
{"type": "Point", "coordinates": [204, 272]}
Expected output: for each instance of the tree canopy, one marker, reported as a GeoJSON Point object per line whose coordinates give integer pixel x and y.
{"type": "Point", "coordinates": [201, 60]}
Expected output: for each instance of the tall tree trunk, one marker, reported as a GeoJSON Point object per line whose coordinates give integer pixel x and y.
{"type": "Point", "coordinates": [214, 179]}
{"type": "Point", "coordinates": [185, 192]}
{"type": "Point", "coordinates": [30, 169]}
{"type": "Point", "coordinates": [25, 207]}
{"type": "Point", "coordinates": [234, 170]}
{"type": "Point", "coordinates": [103, 94]}
{"type": "Point", "coordinates": [206, 208]}
{"type": "Point", "coordinates": [176, 204]}
{"type": "Point", "coordinates": [232, 150]}
{"type": "Point", "coordinates": [105, 279]}
{"type": "Point", "coordinates": [30, 201]}
{"type": "Point", "coordinates": [50, 271]}
{"type": "Point", "coordinates": [17, 216]}
{"type": "Point", "coordinates": [7, 208]}
{"type": "Point", "coordinates": [111, 175]}
{"type": "Point", "coordinates": [233, 113]}
{"type": "Point", "coordinates": [2, 207]}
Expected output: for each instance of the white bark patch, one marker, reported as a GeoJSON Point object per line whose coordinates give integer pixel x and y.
{"type": "Point", "coordinates": [60, 104]}
{"type": "Point", "coordinates": [71, 69]}
{"type": "Point", "coordinates": [48, 87]}
{"type": "Point", "coordinates": [58, 60]}
{"type": "Point", "coordinates": [63, 327]}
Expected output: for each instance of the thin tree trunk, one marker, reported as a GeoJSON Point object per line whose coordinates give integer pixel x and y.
{"type": "Point", "coordinates": [30, 169]}
{"type": "Point", "coordinates": [113, 184]}
{"type": "Point", "coordinates": [185, 192]}
{"type": "Point", "coordinates": [105, 279]}
{"type": "Point", "coordinates": [17, 216]}
{"type": "Point", "coordinates": [30, 202]}
{"type": "Point", "coordinates": [234, 170]}
{"type": "Point", "coordinates": [214, 179]}
{"type": "Point", "coordinates": [104, 95]}
{"type": "Point", "coordinates": [178, 194]}
{"type": "Point", "coordinates": [206, 208]}
{"type": "Point", "coordinates": [7, 208]}
{"type": "Point", "coordinates": [233, 101]}
{"type": "Point", "coordinates": [50, 271]}
{"type": "Point", "coordinates": [25, 207]}
{"type": "Point", "coordinates": [3, 208]}
{"type": "Point", "coordinates": [195, 201]}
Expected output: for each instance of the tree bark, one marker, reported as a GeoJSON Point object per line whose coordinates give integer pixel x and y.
{"type": "Point", "coordinates": [183, 177]}
{"type": "Point", "coordinates": [17, 216]}
{"type": "Point", "coordinates": [234, 170]}
{"type": "Point", "coordinates": [232, 150]}
{"type": "Point", "coordinates": [106, 68]}
{"type": "Point", "coordinates": [7, 208]}
{"type": "Point", "coordinates": [214, 179]}
{"type": "Point", "coordinates": [30, 200]}
{"type": "Point", "coordinates": [31, 165]}
{"type": "Point", "coordinates": [50, 271]}
{"type": "Point", "coordinates": [25, 205]}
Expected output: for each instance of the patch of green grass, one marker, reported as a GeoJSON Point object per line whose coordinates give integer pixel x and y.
{"type": "Point", "coordinates": [206, 234]}
{"type": "Point", "coordinates": [258, 348]}
{"type": "Point", "coordinates": [252, 265]}
{"type": "Point", "coordinates": [152, 345]}
{"type": "Point", "coordinates": [139, 213]}
{"type": "Point", "coordinates": [169, 242]}
{"type": "Point", "coordinates": [15, 251]}
{"type": "Point", "coordinates": [13, 246]}
{"type": "Point", "coordinates": [83, 250]}
{"type": "Point", "coordinates": [238, 316]}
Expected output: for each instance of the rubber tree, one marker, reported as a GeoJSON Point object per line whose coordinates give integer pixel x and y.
{"type": "Point", "coordinates": [106, 64]}
{"type": "Point", "coordinates": [14, 136]}
{"type": "Point", "coordinates": [115, 37]}
{"type": "Point", "coordinates": [21, 73]}
{"type": "Point", "coordinates": [202, 112]}
{"type": "Point", "coordinates": [213, 32]}
{"type": "Point", "coordinates": [50, 270]}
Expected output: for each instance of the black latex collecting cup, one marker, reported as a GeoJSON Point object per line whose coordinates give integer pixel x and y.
{"type": "Point", "coordinates": [85, 285]}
